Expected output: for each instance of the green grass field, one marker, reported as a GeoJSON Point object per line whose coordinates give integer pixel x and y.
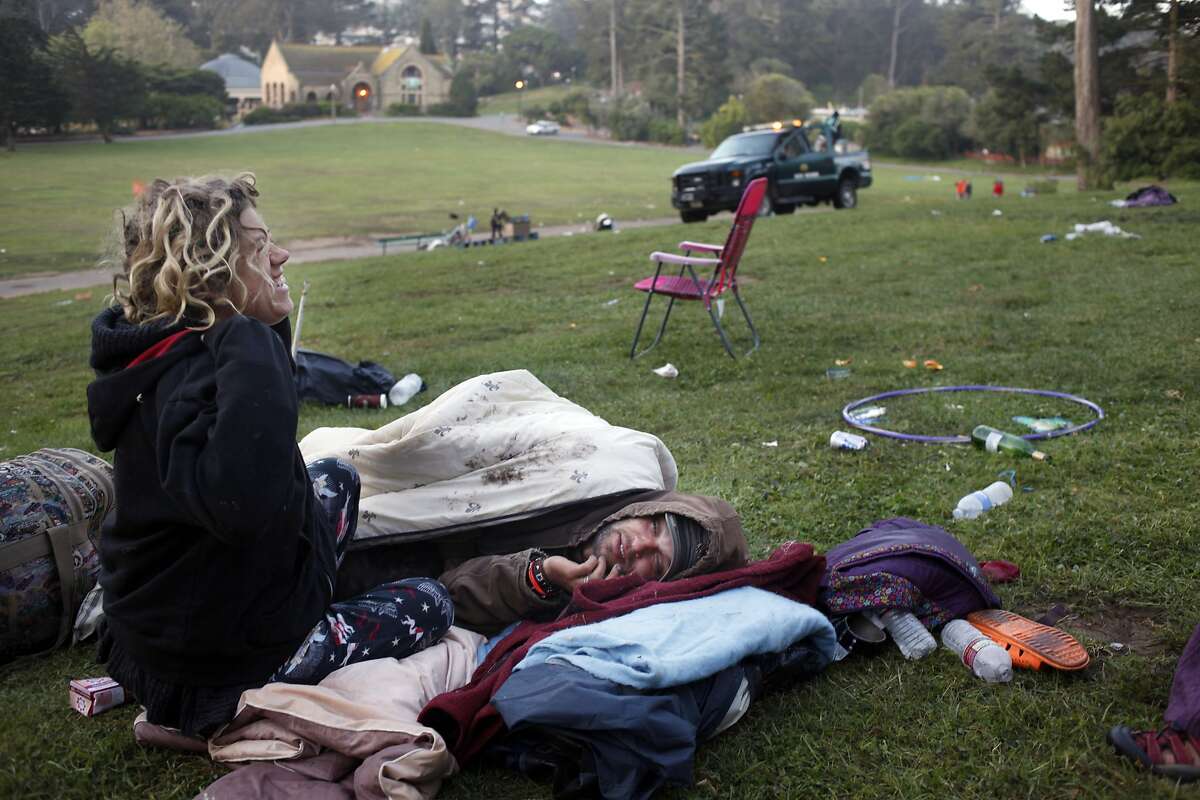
{"type": "Point", "coordinates": [57, 204]}
{"type": "Point", "coordinates": [513, 102]}
{"type": "Point", "coordinates": [1108, 527]}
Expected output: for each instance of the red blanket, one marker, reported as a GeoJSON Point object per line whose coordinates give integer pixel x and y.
{"type": "Point", "coordinates": [468, 721]}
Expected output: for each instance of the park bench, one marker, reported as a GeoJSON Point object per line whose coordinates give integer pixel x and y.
{"type": "Point", "coordinates": [416, 238]}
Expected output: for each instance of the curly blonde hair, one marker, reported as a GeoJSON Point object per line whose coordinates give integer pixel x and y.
{"type": "Point", "coordinates": [181, 246]}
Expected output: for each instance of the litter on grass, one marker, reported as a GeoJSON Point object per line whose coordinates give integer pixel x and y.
{"type": "Point", "coordinates": [869, 413]}
{"type": "Point", "coordinates": [1042, 424]}
{"type": "Point", "coordinates": [841, 440]}
{"type": "Point", "coordinates": [772, 443]}
{"type": "Point", "coordinates": [1104, 226]}
{"type": "Point", "coordinates": [1049, 237]}
{"type": "Point", "coordinates": [613, 302]}
{"type": "Point", "coordinates": [910, 363]}
{"type": "Point", "coordinates": [933, 366]}
{"type": "Point", "coordinates": [667, 370]}
{"type": "Point", "coordinates": [997, 213]}
{"type": "Point", "coordinates": [842, 362]}
{"type": "Point", "coordinates": [837, 373]}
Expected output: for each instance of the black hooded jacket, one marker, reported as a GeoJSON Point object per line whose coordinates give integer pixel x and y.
{"type": "Point", "coordinates": [218, 560]}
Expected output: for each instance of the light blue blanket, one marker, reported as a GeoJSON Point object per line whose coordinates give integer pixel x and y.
{"type": "Point", "coordinates": [670, 644]}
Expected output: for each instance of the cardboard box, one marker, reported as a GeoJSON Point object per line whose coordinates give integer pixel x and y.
{"type": "Point", "coordinates": [92, 696]}
{"type": "Point", "coordinates": [517, 229]}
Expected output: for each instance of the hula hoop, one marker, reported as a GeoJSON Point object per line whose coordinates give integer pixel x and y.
{"type": "Point", "coordinates": [961, 439]}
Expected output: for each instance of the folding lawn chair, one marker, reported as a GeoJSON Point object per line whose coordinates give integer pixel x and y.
{"type": "Point", "coordinates": [724, 273]}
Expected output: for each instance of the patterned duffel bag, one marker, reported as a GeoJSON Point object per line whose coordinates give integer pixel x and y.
{"type": "Point", "coordinates": [52, 503]}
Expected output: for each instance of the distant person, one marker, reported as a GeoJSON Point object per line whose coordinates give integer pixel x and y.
{"type": "Point", "coordinates": [835, 128]}
{"type": "Point", "coordinates": [497, 224]}
{"type": "Point", "coordinates": [998, 189]}
{"type": "Point", "coordinates": [219, 565]}
{"type": "Point", "coordinates": [968, 190]}
{"type": "Point", "coordinates": [960, 189]}
{"type": "Point", "coordinates": [1172, 751]}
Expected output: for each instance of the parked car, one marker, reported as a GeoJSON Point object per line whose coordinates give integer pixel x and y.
{"type": "Point", "coordinates": [543, 127]}
{"type": "Point", "coordinates": [800, 161]}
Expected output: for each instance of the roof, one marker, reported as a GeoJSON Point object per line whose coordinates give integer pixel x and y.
{"type": "Point", "coordinates": [321, 64]}
{"type": "Point", "coordinates": [237, 72]}
{"type": "Point", "coordinates": [390, 55]}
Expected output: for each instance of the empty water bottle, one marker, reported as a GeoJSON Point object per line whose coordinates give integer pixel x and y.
{"type": "Point", "coordinates": [908, 633]}
{"type": "Point", "coordinates": [976, 503]}
{"type": "Point", "coordinates": [986, 659]}
{"type": "Point", "coordinates": [405, 389]}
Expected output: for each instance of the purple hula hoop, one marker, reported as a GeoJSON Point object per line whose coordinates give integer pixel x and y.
{"type": "Point", "coordinates": [916, 437]}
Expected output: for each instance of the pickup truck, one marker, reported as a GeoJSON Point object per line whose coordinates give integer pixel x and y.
{"type": "Point", "coordinates": [803, 163]}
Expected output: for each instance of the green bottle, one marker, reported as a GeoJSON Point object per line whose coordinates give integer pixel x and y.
{"type": "Point", "coordinates": [996, 441]}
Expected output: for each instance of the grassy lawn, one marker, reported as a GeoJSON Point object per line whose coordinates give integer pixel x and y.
{"type": "Point", "coordinates": [57, 200]}
{"type": "Point", "coordinates": [1108, 527]}
{"type": "Point", "coordinates": [513, 102]}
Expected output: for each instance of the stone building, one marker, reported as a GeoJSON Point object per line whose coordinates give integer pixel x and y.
{"type": "Point", "coordinates": [367, 78]}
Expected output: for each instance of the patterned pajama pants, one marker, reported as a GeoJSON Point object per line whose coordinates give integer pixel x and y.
{"type": "Point", "coordinates": [393, 620]}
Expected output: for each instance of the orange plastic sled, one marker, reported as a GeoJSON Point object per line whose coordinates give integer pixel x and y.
{"type": "Point", "coordinates": [1031, 644]}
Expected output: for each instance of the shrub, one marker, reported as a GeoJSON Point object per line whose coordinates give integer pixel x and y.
{"type": "Point", "coordinates": [665, 131]}
{"type": "Point", "coordinates": [1149, 138]}
{"type": "Point", "coordinates": [729, 119]}
{"type": "Point", "coordinates": [165, 111]}
{"type": "Point", "coordinates": [402, 110]}
{"type": "Point", "coordinates": [534, 113]}
{"type": "Point", "coordinates": [295, 111]}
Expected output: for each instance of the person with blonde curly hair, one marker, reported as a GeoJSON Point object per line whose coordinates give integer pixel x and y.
{"type": "Point", "coordinates": [219, 565]}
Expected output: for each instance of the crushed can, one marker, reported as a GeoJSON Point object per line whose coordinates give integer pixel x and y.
{"type": "Point", "coordinates": [841, 440]}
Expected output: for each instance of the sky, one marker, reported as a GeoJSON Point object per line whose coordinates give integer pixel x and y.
{"type": "Point", "coordinates": [1049, 9]}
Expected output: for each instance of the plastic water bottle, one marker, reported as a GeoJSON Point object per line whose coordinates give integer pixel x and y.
{"type": "Point", "coordinates": [986, 659]}
{"type": "Point", "coordinates": [405, 389]}
{"type": "Point", "coordinates": [908, 633]}
{"type": "Point", "coordinates": [976, 503]}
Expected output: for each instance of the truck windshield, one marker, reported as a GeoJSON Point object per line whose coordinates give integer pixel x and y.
{"type": "Point", "coordinates": [755, 144]}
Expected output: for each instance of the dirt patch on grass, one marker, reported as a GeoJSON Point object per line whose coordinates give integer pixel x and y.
{"type": "Point", "coordinates": [1132, 626]}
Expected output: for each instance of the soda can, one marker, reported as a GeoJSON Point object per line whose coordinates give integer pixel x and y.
{"type": "Point", "coordinates": [841, 440]}
{"type": "Point", "coordinates": [366, 401]}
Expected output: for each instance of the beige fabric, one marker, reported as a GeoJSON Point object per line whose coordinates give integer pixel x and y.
{"type": "Point", "coordinates": [358, 711]}
{"type": "Point", "coordinates": [493, 446]}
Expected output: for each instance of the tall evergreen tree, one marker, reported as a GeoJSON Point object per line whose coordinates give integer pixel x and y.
{"type": "Point", "coordinates": [104, 88]}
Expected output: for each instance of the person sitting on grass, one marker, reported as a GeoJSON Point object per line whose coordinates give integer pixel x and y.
{"type": "Point", "coordinates": [1174, 750]}
{"type": "Point", "coordinates": [218, 565]}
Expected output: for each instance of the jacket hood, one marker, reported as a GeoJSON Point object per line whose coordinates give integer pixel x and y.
{"type": "Point", "coordinates": [726, 547]}
{"type": "Point", "coordinates": [117, 390]}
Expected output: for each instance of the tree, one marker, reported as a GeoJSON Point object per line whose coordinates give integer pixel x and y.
{"type": "Point", "coordinates": [925, 122]}
{"type": "Point", "coordinates": [428, 44]}
{"type": "Point", "coordinates": [137, 31]}
{"type": "Point", "coordinates": [1010, 116]}
{"type": "Point", "coordinates": [103, 86]}
{"type": "Point", "coordinates": [1087, 97]}
{"type": "Point", "coordinates": [30, 96]}
{"type": "Point", "coordinates": [777, 97]}
{"type": "Point", "coordinates": [463, 97]}
{"type": "Point", "coordinates": [729, 119]}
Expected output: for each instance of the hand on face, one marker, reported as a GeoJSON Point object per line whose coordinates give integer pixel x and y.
{"type": "Point", "coordinates": [567, 574]}
{"type": "Point", "coordinates": [265, 296]}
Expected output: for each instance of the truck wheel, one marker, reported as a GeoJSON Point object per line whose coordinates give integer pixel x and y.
{"type": "Point", "coordinates": [693, 216]}
{"type": "Point", "coordinates": [783, 208]}
{"type": "Point", "coordinates": [847, 194]}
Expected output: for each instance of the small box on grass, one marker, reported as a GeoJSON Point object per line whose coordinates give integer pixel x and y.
{"type": "Point", "coordinates": [92, 696]}
{"type": "Point", "coordinates": [517, 228]}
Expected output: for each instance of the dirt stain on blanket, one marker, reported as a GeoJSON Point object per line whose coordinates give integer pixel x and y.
{"type": "Point", "coordinates": [504, 475]}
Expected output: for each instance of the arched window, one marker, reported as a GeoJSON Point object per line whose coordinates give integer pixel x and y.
{"type": "Point", "coordinates": [411, 82]}
{"type": "Point", "coordinates": [311, 97]}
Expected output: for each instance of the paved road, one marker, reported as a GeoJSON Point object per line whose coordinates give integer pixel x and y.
{"type": "Point", "coordinates": [303, 252]}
